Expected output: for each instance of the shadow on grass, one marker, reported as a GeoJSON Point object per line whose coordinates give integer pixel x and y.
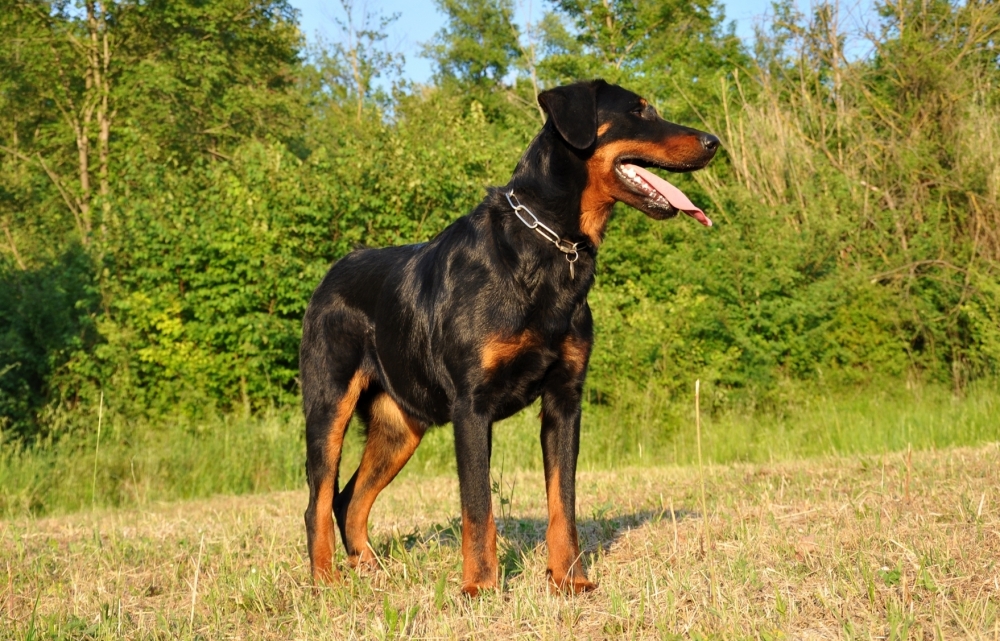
{"type": "Point", "coordinates": [519, 537]}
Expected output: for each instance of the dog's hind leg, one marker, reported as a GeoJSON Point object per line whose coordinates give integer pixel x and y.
{"type": "Point", "coordinates": [392, 438]}
{"type": "Point", "coordinates": [332, 381]}
{"type": "Point", "coordinates": [325, 429]}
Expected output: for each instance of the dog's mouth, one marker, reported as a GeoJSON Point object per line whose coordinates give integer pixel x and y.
{"type": "Point", "coordinates": [658, 195]}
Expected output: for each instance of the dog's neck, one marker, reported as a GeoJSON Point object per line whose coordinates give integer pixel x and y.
{"type": "Point", "coordinates": [550, 179]}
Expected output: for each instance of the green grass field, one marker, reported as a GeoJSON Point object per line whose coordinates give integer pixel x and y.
{"type": "Point", "coordinates": [139, 463]}
{"type": "Point", "coordinates": [892, 546]}
{"type": "Point", "coordinates": [867, 515]}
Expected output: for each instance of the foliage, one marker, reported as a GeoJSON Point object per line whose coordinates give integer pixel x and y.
{"type": "Point", "coordinates": [476, 55]}
{"type": "Point", "coordinates": [479, 45]}
{"type": "Point", "coordinates": [671, 51]}
{"type": "Point", "coordinates": [46, 314]}
{"type": "Point", "coordinates": [175, 177]}
{"type": "Point", "coordinates": [345, 71]}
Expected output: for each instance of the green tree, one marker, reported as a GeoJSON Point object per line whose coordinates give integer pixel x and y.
{"type": "Point", "coordinates": [175, 177]}
{"type": "Point", "coordinates": [480, 43]}
{"type": "Point", "coordinates": [199, 78]}
{"type": "Point", "coordinates": [97, 100]}
{"type": "Point", "coordinates": [58, 111]}
{"type": "Point", "coordinates": [671, 51]}
{"type": "Point", "coordinates": [479, 56]}
{"type": "Point", "coordinates": [345, 71]}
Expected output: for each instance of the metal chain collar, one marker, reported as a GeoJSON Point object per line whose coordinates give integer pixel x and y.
{"type": "Point", "coordinates": [572, 250]}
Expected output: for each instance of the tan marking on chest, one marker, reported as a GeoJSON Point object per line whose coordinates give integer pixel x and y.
{"type": "Point", "coordinates": [503, 349]}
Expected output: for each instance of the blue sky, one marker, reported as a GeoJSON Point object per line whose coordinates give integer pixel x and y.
{"type": "Point", "coordinates": [419, 20]}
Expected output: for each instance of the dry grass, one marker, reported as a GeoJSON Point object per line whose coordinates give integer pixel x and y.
{"type": "Point", "coordinates": [862, 547]}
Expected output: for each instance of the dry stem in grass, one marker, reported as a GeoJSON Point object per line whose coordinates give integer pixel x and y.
{"type": "Point", "coordinates": [821, 549]}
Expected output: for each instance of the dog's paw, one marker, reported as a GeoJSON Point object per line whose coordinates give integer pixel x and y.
{"type": "Point", "coordinates": [473, 590]}
{"type": "Point", "coordinates": [326, 576]}
{"type": "Point", "coordinates": [571, 584]}
{"type": "Point", "coordinates": [363, 560]}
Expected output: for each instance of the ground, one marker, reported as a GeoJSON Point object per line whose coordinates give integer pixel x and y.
{"type": "Point", "coordinates": [893, 546]}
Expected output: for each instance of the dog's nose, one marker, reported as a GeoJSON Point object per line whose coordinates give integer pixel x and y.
{"type": "Point", "coordinates": [709, 142]}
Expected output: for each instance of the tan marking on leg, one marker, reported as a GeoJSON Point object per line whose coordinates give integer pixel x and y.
{"type": "Point", "coordinates": [562, 545]}
{"type": "Point", "coordinates": [393, 437]}
{"type": "Point", "coordinates": [480, 567]}
{"type": "Point", "coordinates": [500, 349]}
{"type": "Point", "coordinates": [574, 352]}
{"type": "Point", "coordinates": [324, 539]}
{"type": "Point", "coordinates": [345, 409]}
{"type": "Point", "coordinates": [565, 569]}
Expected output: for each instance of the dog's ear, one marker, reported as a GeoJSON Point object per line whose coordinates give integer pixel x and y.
{"type": "Point", "coordinates": [573, 111]}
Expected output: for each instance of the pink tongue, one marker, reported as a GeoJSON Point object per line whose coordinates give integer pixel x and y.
{"type": "Point", "coordinates": [673, 195]}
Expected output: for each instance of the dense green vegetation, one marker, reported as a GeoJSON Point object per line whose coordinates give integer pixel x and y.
{"type": "Point", "coordinates": [175, 177]}
{"type": "Point", "coordinates": [135, 463]}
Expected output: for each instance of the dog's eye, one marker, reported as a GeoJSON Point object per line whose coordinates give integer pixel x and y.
{"type": "Point", "coordinates": [640, 111]}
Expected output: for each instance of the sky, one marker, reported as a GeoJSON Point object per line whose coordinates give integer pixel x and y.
{"type": "Point", "coordinates": [419, 20]}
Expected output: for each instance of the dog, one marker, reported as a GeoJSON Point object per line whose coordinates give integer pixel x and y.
{"type": "Point", "coordinates": [478, 323]}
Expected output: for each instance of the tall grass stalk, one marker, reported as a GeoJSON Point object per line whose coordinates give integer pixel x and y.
{"type": "Point", "coordinates": [706, 533]}
{"type": "Point", "coordinates": [97, 450]}
{"type": "Point", "coordinates": [194, 584]}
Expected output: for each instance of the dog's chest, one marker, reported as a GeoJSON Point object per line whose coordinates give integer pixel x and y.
{"type": "Point", "coordinates": [513, 375]}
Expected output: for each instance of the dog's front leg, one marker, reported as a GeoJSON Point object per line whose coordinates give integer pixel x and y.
{"type": "Point", "coordinates": [473, 442]}
{"type": "Point", "coordinates": [560, 447]}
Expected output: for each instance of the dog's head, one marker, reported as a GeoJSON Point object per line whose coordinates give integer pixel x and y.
{"type": "Point", "coordinates": [620, 136]}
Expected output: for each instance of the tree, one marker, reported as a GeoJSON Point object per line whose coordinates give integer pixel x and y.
{"type": "Point", "coordinates": [653, 47]}
{"type": "Point", "coordinates": [61, 59]}
{"type": "Point", "coordinates": [346, 71]}
{"type": "Point", "coordinates": [169, 80]}
{"type": "Point", "coordinates": [480, 44]}
{"type": "Point", "coordinates": [199, 78]}
{"type": "Point", "coordinates": [103, 105]}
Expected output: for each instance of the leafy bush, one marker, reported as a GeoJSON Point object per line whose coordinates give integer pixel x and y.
{"type": "Point", "coordinates": [857, 200]}
{"type": "Point", "coordinates": [46, 314]}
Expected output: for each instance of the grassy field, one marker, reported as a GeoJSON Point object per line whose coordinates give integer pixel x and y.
{"type": "Point", "coordinates": [900, 546]}
{"type": "Point", "coordinates": [138, 463]}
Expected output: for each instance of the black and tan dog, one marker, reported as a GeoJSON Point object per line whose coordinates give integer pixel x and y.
{"type": "Point", "coordinates": [476, 324]}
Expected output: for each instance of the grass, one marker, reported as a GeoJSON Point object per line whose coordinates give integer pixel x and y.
{"type": "Point", "coordinates": [898, 546]}
{"type": "Point", "coordinates": [137, 464]}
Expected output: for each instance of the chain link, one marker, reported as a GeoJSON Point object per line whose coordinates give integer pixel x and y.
{"type": "Point", "coordinates": [572, 250]}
